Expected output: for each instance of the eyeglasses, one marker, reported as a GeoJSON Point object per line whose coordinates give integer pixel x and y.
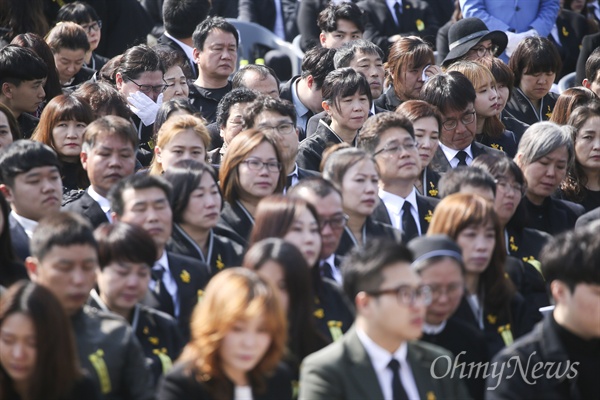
{"type": "Point", "coordinates": [335, 222]}
{"type": "Point", "coordinates": [147, 89]}
{"type": "Point", "coordinates": [408, 295]}
{"type": "Point", "coordinates": [466, 119]}
{"type": "Point", "coordinates": [257, 165]}
{"type": "Point", "coordinates": [92, 27]}
{"type": "Point", "coordinates": [397, 148]}
{"type": "Point", "coordinates": [285, 129]}
{"type": "Point", "coordinates": [516, 187]}
{"type": "Point", "coordinates": [483, 51]}
{"type": "Point", "coordinates": [451, 290]}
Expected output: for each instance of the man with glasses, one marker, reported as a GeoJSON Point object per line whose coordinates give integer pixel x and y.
{"type": "Point", "coordinates": [140, 78]}
{"type": "Point", "coordinates": [390, 138]}
{"type": "Point", "coordinates": [327, 200]}
{"type": "Point", "coordinates": [380, 358]}
{"type": "Point", "coordinates": [454, 95]}
{"type": "Point", "coordinates": [278, 116]}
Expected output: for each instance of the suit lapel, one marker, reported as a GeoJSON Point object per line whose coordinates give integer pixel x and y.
{"type": "Point", "coordinates": [361, 369]}
{"type": "Point", "coordinates": [419, 370]}
{"type": "Point", "coordinates": [440, 163]}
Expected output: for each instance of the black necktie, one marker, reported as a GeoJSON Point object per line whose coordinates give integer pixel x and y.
{"type": "Point", "coordinates": [288, 181]}
{"type": "Point", "coordinates": [409, 226]}
{"type": "Point", "coordinates": [462, 157]}
{"type": "Point", "coordinates": [327, 271]}
{"type": "Point", "coordinates": [160, 290]}
{"type": "Point", "coordinates": [397, 389]}
{"type": "Point", "coordinates": [398, 11]}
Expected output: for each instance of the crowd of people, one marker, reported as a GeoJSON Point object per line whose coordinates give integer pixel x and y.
{"type": "Point", "coordinates": [416, 215]}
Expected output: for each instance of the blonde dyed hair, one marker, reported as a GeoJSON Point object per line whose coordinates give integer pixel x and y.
{"type": "Point", "coordinates": [171, 128]}
{"type": "Point", "coordinates": [235, 294]}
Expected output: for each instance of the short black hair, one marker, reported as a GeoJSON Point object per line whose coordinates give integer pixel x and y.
{"type": "Point", "coordinates": [22, 156]}
{"type": "Point", "coordinates": [236, 96]}
{"type": "Point", "coordinates": [136, 182]}
{"type": "Point", "coordinates": [453, 180]}
{"type": "Point", "coordinates": [345, 82]}
{"type": "Point", "coordinates": [18, 64]}
{"type": "Point", "coordinates": [268, 103]}
{"type": "Point", "coordinates": [592, 65]}
{"type": "Point", "coordinates": [207, 26]}
{"type": "Point", "coordinates": [318, 63]}
{"type": "Point", "coordinates": [78, 12]}
{"type": "Point", "coordinates": [573, 257]}
{"type": "Point", "coordinates": [534, 55]}
{"type": "Point", "coordinates": [62, 229]}
{"type": "Point", "coordinates": [450, 91]}
{"type": "Point", "coordinates": [370, 134]}
{"type": "Point", "coordinates": [362, 270]}
{"type": "Point", "coordinates": [120, 241]}
{"type": "Point", "coordinates": [237, 81]}
{"type": "Point", "coordinates": [329, 17]}
{"type": "Point", "coordinates": [180, 17]}
{"type": "Point", "coordinates": [345, 54]}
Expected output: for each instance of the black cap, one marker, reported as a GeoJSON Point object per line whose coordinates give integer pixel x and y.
{"type": "Point", "coordinates": [426, 247]}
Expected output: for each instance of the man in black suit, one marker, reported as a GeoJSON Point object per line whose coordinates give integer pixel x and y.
{"type": "Point", "coordinates": [215, 52]}
{"type": "Point", "coordinates": [108, 155]}
{"type": "Point", "coordinates": [180, 20]}
{"type": "Point", "coordinates": [570, 29]}
{"type": "Point", "coordinates": [278, 116]}
{"type": "Point", "coordinates": [387, 21]}
{"type": "Point", "coordinates": [264, 13]}
{"type": "Point", "coordinates": [365, 57]}
{"type": "Point", "coordinates": [327, 200]}
{"type": "Point", "coordinates": [304, 91]}
{"type": "Point", "coordinates": [592, 72]}
{"type": "Point", "coordinates": [588, 45]}
{"type": "Point", "coordinates": [177, 281]}
{"type": "Point", "coordinates": [454, 95]}
{"type": "Point", "coordinates": [390, 138]}
{"type": "Point", "coordinates": [30, 181]}
{"type": "Point", "coordinates": [380, 358]}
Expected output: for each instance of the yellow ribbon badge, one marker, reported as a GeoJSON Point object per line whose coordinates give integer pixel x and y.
{"type": "Point", "coordinates": [565, 32]}
{"type": "Point", "coordinates": [335, 329]}
{"type": "Point", "coordinates": [420, 25]}
{"type": "Point", "coordinates": [429, 216]}
{"type": "Point", "coordinates": [97, 360]}
{"type": "Point", "coordinates": [185, 276]}
{"type": "Point", "coordinates": [433, 192]}
{"type": "Point", "coordinates": [219, 263]}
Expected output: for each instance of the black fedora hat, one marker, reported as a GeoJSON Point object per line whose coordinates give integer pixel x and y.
{"type": "Point", "coordinates": [466, 33]}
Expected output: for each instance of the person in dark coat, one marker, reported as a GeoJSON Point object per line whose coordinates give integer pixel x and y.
{"type": "Point", "coordinates": [588, 45]}
{"type": "Point", "coordinates": [571, 28]}
{"type": "Point", "coordinates": [264, 13]}
{"type": "Point", "coordinates": [568, 338]}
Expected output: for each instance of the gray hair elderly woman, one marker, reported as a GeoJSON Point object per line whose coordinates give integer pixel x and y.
{"type": "Point", "coordinates": [544, 155]}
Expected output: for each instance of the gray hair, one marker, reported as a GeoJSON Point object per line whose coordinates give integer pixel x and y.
{"type": "Point", "coordinates": [541, 139]}
{"type": "Point", "coordinates": [346, 53]}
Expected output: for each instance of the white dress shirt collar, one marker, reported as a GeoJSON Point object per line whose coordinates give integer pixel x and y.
{"type": "Point", "coordinates": [394, 204]}
{"type": "Point", "coordinates": [451, 154]}
{"type": "Point", "coordinates": [27, 224]}
{"type": "Point", "coordinates": [103, 202]}
{"type": "Point", "coordinates": [189, 51]}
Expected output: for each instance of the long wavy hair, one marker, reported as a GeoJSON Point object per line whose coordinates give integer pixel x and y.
{"type": "Point", "coordinates": [238, 294]}
{"type": "Point", "coordinates": [459, 211]}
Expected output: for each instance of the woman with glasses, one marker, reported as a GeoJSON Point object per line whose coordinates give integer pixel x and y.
{"type": "Point", "coordinates": [196, 210]}
{"type": "Point", "coordinates": [250, 171]}
{"type": "Point", "coordinates": [582, 184]}
{"type": "Point", "coordinates": [69, 44]}
{"type": "Point", "coordinates": [181, 137]}
{"type": "Point", "coordinates": [139, 77]}
{"type": "Point", "coordinates": [346, 100]}
{"type": "Point", "coordinates": [490, 130]}
{"type": "Point", "coordinates": [427, 124]}
{"type": "Point", "coordinates": [490, 302]}
{"type": "Point", "coordinates": [535, 63]}
{"type": "Point", "coordinates": [85, 16]}
{"type": "Point", "coordinates": [439, 262]}
{"type": "Point", "coordinates": [545, 155]}
{"type": "Point", "coordinates": [470, 39]}
{"type": "Point", "coordinates": [238, 339]}
{"type": "Point", "coordinates": [354, 174]}
{"type": "Point", "coordinates": [61, 127]}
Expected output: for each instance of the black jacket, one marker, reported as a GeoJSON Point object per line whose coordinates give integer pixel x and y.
{"type": "Point", "coordinates": [222, 252]}
{"type": "Point", "coordinates": [82, 203]}
{"type": "Point", "coordinates": [506, 143]}
{"type": "Point", "coordinates": [542, 346]}
{"type": "Point", "coordinates": [553, 216]}
{"type": "Point", "coordinates": [310, 151]}
{"type": "Point", "coordinates": [19, 239]}
{"type": "Point", "coordinates": [234, 223]}
{"type": "Point", "coordinates": [572, 27]}
{"type": "Point", "coordinates": [417, 19]}
{"type": "Point", "coordinates": [205, 101]}
{"type": "Point", "coordinates": [518, 106]}
{"type": "Point", "coordinates": [263, 12]}
{"type": "Point", "coordinates": [440, 163]}
{"type": "Point", "coordinates": [371, 229]}
{"type": "Point", "coordinates": [589, 44]}
{"type": "Point", "coordinates": [190, 69]}
{"type": "Point", "coordinates": [178, 384]}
